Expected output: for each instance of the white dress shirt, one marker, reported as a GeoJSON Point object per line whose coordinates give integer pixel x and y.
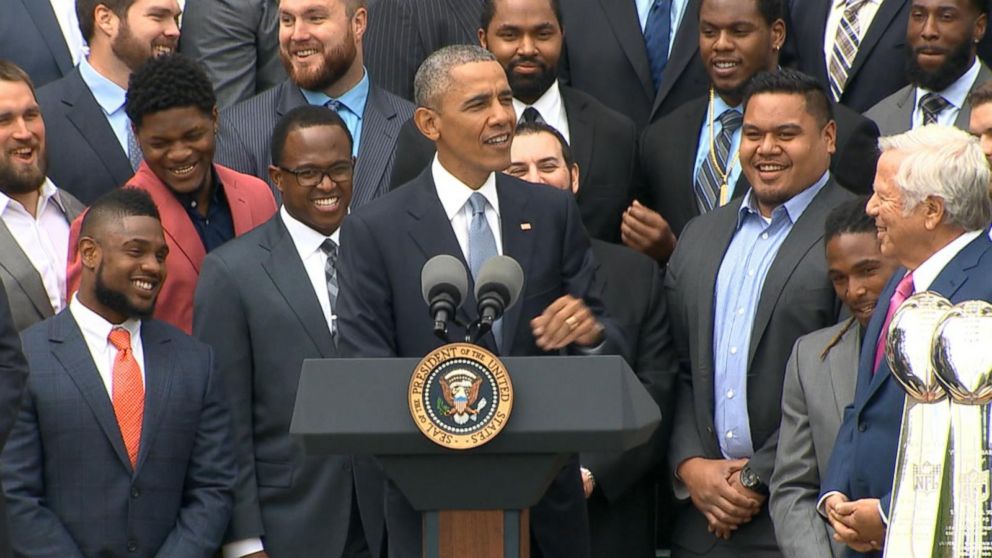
{"type": "Point", "coordinates": [65, 13]}
{"type": "Point", "coordinates": [454, 195]}
{"type": "Point", "coordinates": [44, 238]}
{"type": "Point", "coordinates": [551, 108]}
{"type": "Point", "coordinates": [955, 93]}
{"type": "Point", "coordinates": [96, 331]}
{"type": "Point", "coordinates": [865, 16]}
{"type": "Point", "coordinates": [307, 242]}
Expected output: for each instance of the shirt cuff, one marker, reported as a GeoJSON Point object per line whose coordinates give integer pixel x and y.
{"type": "Point", "coordinates": [591, 351]}
{"type": "Point", "coordinates": [881, 513]}
{"type": "Point", "coordinates": [244, 547]}
{"type": "Point", "coordinates": [821, 505]}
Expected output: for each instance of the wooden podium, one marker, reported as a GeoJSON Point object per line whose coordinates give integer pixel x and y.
{"type": "Point", "coordinates": [562, 405]}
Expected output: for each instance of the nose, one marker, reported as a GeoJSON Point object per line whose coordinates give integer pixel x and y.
{"type": "Point", "coordinates": [179, 153]}
{"type": "Point", "coordinates": [172, 28]}
{"type": "Point", "coordinates": [930, 30]}
{"type": "Point", "coordinates": [872, 207]}
{"type": "Point", "coordinates": [527, 46]}
{"type": "Point", "coordinates": [20, 129]}
{"type": "Point", "coordinates": [986, 143]}
{"type": "Point", "coordinates": [723, 41]}
{"type": "Point", "coordinates": [532, 175]}
{"type": "Point", "coordinates": [767, 144]}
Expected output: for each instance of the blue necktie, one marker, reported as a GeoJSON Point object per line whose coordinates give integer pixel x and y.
{"type": "Point", "coordinates": [657, 35]}
{"type": "Point", "coordinates": [481, 244]}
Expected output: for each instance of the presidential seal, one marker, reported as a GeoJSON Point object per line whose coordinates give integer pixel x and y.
{"type": "Point", "coordinates": [460, 396]}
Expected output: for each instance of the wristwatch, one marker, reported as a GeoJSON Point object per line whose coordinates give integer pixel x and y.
{"type": "Point", "coordinates": [751, 481]}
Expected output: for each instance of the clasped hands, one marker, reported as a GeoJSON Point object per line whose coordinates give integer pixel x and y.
{"type": "Point", "coordinates": [716, 490]}
{"type": "Point", "coordinates": [858, 523]}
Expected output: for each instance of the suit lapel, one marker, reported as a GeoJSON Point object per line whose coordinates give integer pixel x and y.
{"type": "Point", "coordinates": [286, 271]}
{"type": "Point", "coordinates": [879, 24]}
{"type": "Point", "coordinates": [627, 29]}
{"type": "Point", "coordinates": [582, 131]}
{"type": "Point", "coordinates": [46, 21]}
{"type": "Point", "coordinates": [842, 363]}
{"type": "Point", "coordinates": [237, 202]}
{"type": "Point", "coordinates": [17, 264]}
{"type": "Point", "coordinates": [964, 115]}
{"type": "Point", "coordinates": [685, 46]}
{"type": "Point", "coordinates": [73, 354]}
{"type": "Point", "coordinates": [87, 116]}
{"type": "Point", "coordinates": [175, 221]}
{"type": "Point", "coordinates": [517, 243]}
{"type": "Point", "coordinates": [160, 363]}
{"type": "Point", "coordinates": [378, 136]}
{"type": "Point", "coordinates": [902, 117]}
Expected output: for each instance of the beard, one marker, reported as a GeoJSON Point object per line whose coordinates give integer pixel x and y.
{"type": "Point", "coordinates": [25, 181]}
{"type": "Point", "coordinates": [529, 88]}
{"type": "Point", "coordinates": [116, 300]}
{"type": "Point", "coordinates": [335, 64]}
{"type": "Point", "coordinates": [132, 52]}
{"type": "Point", "coordinates": [955, 65]}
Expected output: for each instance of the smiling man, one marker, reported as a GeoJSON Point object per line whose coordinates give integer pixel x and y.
{"type": "Point", "coordinates": [173, 110]}
{"type": "Point", "coordinates": [941, 64]}
{"type": "Point", "coordinates": [745, 281]}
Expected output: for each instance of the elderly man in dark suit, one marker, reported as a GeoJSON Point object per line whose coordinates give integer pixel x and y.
{"type": "Point", "coordinates": [463, 207]}
{"type": "Point", "coordinates": [266, 302]}
{"type": "Point", "coordinates": [123, 443]}
{"type": "Point", "coordinates": [97, 150]}
{"type": "Point", "coordinates": [745, 281]}
{"type": "Point", "coordinates": [13, 372]}
{"type": "Point", "coordinates": [320, 43]}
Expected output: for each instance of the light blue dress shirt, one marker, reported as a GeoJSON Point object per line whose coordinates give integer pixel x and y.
{"type": "Point", "coordinates": [738, 289]}
{"type": "Point", "coordinates": [111, 99]}
{"type": "Point", "coordinates": [703, 148]}
{"type": "Point", "coordinates": [353, 107]}
{"type": "Point", "coordinates": [678, 11]}
{"type": "Point", "coordinates": [956, 94]}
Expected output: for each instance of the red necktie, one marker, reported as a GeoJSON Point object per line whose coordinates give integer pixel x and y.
{"type": "Point", "coordinates": [903, 291]}
{"type": "Point", "coordinates": [128, 392]}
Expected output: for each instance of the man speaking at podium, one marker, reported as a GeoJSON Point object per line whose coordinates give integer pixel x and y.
{"type": "Point", "coordinates": [464, 105]}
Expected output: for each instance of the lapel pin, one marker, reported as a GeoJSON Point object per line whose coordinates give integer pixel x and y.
{"type": "Point", "coordinates": [525, 226]}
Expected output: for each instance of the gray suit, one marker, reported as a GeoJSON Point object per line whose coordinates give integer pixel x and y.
{"type": "Point", "coordinates": [817, 388]}
{"type": "Point", "coordinates": [29, 301]}
{"type": "Point", "coordinates": [256, 306]}
{"type": "Point", "coordinates": [894, 114]}
{"type": "Point", "coordinates": [237, 41]}
{"type": "Point", "coordinates": [246, 132]}
{"type": "Point", "coordinates": [796, 298]}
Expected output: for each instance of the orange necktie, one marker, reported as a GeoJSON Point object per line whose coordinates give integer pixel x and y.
{"type": "Point", "coordinates": [128, 392]}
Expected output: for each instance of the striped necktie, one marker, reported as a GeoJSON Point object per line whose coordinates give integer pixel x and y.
{"type": "Point", "coordinates": [932, 105]}
{"type": "Point", "coordinates": [846, 43]}
{"type": "Point", "coordinates": [134, 154]}
{"type": "Point", "coordinates": [330, 249]}
{"type": "Point", "coordinates": [708, 180]}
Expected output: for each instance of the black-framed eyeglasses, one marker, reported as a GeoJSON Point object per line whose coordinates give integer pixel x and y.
{"type": "Point", "coordinates": [309, 177]}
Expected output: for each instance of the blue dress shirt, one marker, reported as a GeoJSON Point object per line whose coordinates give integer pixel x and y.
{"type": "Point", "coordinates": [353, 107]}
{"type": "Point", "coordinates": [218, 226]}
{"type": "Point", "coordinates": [703, 147]}
{"type": "Point", "coordinates": [738, 288]}
{"type": "Point", "coordinates": [678, 11]}
{"type": "Point", "coordinates": [111, 99]}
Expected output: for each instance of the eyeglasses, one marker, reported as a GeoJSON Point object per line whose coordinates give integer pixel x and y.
{"type": "Point", "coordinates": [309, 177]}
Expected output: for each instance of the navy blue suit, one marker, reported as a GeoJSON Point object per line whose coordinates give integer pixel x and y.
{"type": "Point", "coordinates": [864, 457]}
{"type": "Point", "coordinates": [70, 488]}
{"type": "Point", "coordinates": [30, 37]}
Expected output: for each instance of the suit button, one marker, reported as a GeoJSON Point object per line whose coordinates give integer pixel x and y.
{"type": "Point", "coordinates": [135, 492]}
{"type": "Point", "coordinates": [132, 545]}
{"type": "Point", "coordinates": [862, 427]}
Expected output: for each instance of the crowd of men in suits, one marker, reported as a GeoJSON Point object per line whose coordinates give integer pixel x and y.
{"type": "Point", "coordinates": [733, 195]}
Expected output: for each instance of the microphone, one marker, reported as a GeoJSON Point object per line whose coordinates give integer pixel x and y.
{"type": "Point", "coordinates": [444, 282]}
{"type": "Point", "coordinates": [497, 289]}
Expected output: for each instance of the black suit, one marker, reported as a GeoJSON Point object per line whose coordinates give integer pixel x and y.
{"type": "Point", "coordinates": [84, 156]}
{"type": "Point", "coordinates": [604, 56]}
{"type": "Point", "coordinates": [668, 160]}
{"type": "Point", "coordinates": [30, 37]}
{"type": "Point", "coordinates": [622, 508]}
{"type": "Point", "coordinates": [13, 373]}
{"type": "Point", "coordinates": [878, 69]}
{"type": "Point", "coordinates": [381, 312]}
{"type": "Point", "coordinates": [603, 143]}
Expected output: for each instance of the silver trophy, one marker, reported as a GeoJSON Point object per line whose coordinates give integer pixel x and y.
{"type": "Point", "coordinates": [916, 525]}
{"type": "Point", "coordinates": [963, 363]}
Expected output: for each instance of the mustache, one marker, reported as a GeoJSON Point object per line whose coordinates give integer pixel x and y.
{"type": "Point", "coordinates": [533, 60]}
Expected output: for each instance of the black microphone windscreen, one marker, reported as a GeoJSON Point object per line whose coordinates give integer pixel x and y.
{"type": "Point", "coordinates": [503, 271]}
{"type": "Point", "coordinates": [446, 273]}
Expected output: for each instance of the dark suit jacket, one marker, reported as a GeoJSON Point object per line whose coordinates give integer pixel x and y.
{"type": "Point", "coordinates": [256, 307]}
{"type": "Point", "coordinates": [796, 298]}
{"type": "Point", "coordinates": [878, 68]}
{"type": "Point", "coordinates": [29, 302]}
{"type": "Point", "coordinates": [603, 142]}
{"type": "Point", "coordinates": [84, 156]}
{"type": "Point", "coordinates": [668, 159]}
{"type": "Point", "coordinates": [30, 37]}
{"type": "Point", "coordinates": [864, 456]}
{"type": "Point", "coordinates": [13, 373]}
{"type": "Point", "coordinates": [381, 312]}
{"type": "Point", "coordinates": [403, 33]}
{"type": "Point", "coordinates": [243, 142]}
{"type": "Point", "coordinates": [604, 56]}
{"type": "Point", "coordinates": [621, 510]}
{"type": "Point", "coordinates": [70, 488]}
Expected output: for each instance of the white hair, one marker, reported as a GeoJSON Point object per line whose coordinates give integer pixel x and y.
{"type": "Point", "coordinates": [947, 163]}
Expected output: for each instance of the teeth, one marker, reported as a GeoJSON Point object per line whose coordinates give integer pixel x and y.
{"type": "Point", "coordinates": [144, 285]}
{"type": "Point", "coordinates": [725, 65]}
{"type": "Point", "coordinates": [305, 53]}
{"type": "Point", "coordinates": [23, 152]}
{"type": "Point", "coordinates": [770, 168]}
{"type": "Point", "coordinates": [326, 202]}
{"type": "Point", "coordinates": [162, 50]}
{"type": "Point", "coordinates": [498, 139]}
{"type": "Point", "coordinates": [183, 171]}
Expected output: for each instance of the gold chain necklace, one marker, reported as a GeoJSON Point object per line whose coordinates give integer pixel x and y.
{"type": "Point", "coordinates": [723, 174]}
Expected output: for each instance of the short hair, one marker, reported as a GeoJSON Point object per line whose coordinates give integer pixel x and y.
{"type": "Point", "coordinates": [85, 13]}
{"type": "Point", "coordinates": [117, 204]}
{"type": "Point", "coordinates": [167, 82]}
{"type": "Point", "coordinates": [947, 163]}
{"type": "Point", "coordinates": [306, 116]}
{"type": "Point", "coordinates": [531, 128]}
{"type": "Point", "coordinates": [434, 75]}
{"type": "Point", "coordinates": [981, 94]}
{"type": "Point", "coordinates": [793, 82]}
{"type": "Point", "coordinates": [489, 12]}
{"type": "Point", "coordinates": [14, 73]}
{"type": "Point", "coordinates": [770, 10]}
{"type": "Point", "coordinates": [848, 217]}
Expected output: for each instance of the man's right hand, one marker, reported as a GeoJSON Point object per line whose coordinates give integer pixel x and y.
{"type": "Point", "coordinates": [708, 482]}
{"type": "Point", "coordinates": [259, 554]}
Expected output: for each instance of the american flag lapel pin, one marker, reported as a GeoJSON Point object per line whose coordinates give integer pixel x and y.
{"type": "Point", "coordinates": [525, 226]}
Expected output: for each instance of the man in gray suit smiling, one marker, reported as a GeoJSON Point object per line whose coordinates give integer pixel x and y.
{"type": "Point", "coordinates": [819, 383]}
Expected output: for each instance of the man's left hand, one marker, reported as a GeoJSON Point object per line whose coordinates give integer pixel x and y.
{"type": "Point", "coordinates": [565, 321]}
{"type": "Point", "coordinates": [735, 482]}
{"type": "Point", "coordinates": [859, 524]}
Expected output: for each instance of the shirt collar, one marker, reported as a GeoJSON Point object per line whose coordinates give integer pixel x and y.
{"type": "Point", "coordinates": [792, 209]}
{"type": "Point", "coordinates": [217, 197]}
{"type": "Point", "coordinates": [957, 92]}
{"type": "Point", "coordinates": [306, 240]}
{"type": "Point", "coordinates": [48, 192]}
{"type": "Point", "coordinates": [108, 94]}
{"type": "Point", "coordinates": [454, 193]}
{"type": "Point", "coordinates": [720, 106]}
{"type": "Point", "coordinates": [94, 326]}
{"type": "Point", "coordinates": [548, 105]}
{"type": "Point", "coordinates": [927, 272]}
{"type": "Point", "coordinates": [353, 99]}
